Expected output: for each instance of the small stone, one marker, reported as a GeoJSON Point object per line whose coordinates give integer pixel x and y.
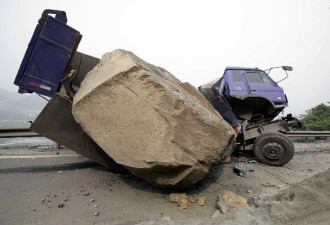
{"type": "Point", "coordinates": [61, 205]}
{"type": "Point", "coordinates": [223, 208]}
{"type": "Point", "coordinates": [310, 169]}
{"type": "Point", "coordinates": [59, 171]}
{"type": "Point", "coordinates": [175, 197]}
{"type": "Point", "coordinates": [216, 214]}
{"type": "Point", "coordinates": [92, 200]}
{"type": "Point", "coordinates": [192, 199]}
{"type": "Point", "coordinates": [229, 199]}
{"type": "Point", "coordinates": [165, 219]}
{"type": "Point", "coordinates": [42, 200]}
{"type": "Point", "coordinates": [227, 160]}
{"type": "Point", "coordinates": [54, 196]}
{"type": "Point", "coordinates": [242, 168]}
{"type": "Point", "coordinates": [96, 213]}
{"type": "Point", "coordinates": [183, 203]}
{"type": "Point", "coordinates": [86, 194]}
{"type": "Point", "coordinates": [95, 205]}
{"type": "Point", "coordinates": [65, 200]}
{"type": "Point", "coordinates": [201, 200]}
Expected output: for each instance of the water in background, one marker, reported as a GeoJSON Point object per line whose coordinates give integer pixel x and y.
{"type": "Point", "coordinates": [21, 142]}
{"type": "Point", "coordinates": [14, 124]}
{"type": "Point", "coordinates": [25, 142]}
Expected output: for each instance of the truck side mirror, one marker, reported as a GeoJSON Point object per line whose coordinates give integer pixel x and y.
{"type": "Point", "coordinates": [287, 68]}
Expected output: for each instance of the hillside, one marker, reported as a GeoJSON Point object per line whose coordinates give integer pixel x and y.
{"type": "Point", "coordinates": [16, 109]}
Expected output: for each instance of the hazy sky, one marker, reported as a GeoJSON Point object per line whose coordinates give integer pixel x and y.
{"type": "Point", "coordinates": [194, 40]}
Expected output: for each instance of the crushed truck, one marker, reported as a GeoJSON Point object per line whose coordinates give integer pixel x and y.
{"type": "Point", "coordinates": [247, 98]}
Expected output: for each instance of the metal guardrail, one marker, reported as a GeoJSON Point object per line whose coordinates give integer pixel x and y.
{"type": "Point", "coordinates": [308, 135]}
{"type": "Point", "coordinates": [26, 132]}
{"type": "Point", "coordinates": [17, 132]}
{"type": "Point", "coordinates": [20, 132]}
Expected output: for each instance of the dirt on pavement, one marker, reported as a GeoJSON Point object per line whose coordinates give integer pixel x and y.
{"type": "Point", "coordinates": [39, 186]}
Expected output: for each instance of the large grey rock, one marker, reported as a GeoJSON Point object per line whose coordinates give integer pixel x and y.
{"type": "Point", "coordinates": [144, 118]}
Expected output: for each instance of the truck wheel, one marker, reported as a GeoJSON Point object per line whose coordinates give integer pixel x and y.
{"type": "Point", "coordinates": [273, 149]}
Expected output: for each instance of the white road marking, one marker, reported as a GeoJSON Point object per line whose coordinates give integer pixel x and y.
{"type": "Point", "coordinates": [35, 156]}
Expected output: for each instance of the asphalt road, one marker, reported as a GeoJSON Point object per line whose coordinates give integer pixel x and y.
{"type": "Point", "coordinates": [35, 182]}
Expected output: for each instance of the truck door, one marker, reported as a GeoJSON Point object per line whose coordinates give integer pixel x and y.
{"type": "Point", "coordinates": [237, 83]}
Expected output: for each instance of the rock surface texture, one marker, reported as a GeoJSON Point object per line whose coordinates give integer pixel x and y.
{"type": "Point", "coordinates": [145, 119]}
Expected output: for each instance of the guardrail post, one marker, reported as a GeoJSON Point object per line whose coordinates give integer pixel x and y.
{"type": "Point", "coordinates": [58, 146]}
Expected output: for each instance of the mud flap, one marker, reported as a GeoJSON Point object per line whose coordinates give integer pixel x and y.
{"type": "Point", "coordinates": [56, 123]}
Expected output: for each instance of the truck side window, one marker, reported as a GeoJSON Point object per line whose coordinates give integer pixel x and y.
{"type": "Point", "coordinates": [258, 77]}
{"type": "Point", "coordinates": [237, 75]}
{"type": "Point", "coordinates": [254, 77]}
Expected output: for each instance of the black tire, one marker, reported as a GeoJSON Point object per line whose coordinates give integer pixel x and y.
{"type": "Point", "coordinates": [273, 149]}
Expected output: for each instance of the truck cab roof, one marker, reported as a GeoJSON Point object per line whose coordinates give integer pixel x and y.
{"type": "Point", "coordinates": [240, 68]}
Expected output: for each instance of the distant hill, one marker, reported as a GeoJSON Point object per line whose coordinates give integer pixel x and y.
{"type": "Point", "coordinates": [18, 108]}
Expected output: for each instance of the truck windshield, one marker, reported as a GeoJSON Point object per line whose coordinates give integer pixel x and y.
{"type": "Point", "coordinates": [258, 77]}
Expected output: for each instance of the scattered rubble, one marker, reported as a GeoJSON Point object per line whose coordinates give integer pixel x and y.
{"type": "Point", "coordinates": [216, 214]}
{"type": "Point", "coordinates": [227, 160]}
{"type": "Point", "coordinates": [267, 203]}
{"type": "Point", "coordinates": [165, 219]}
{"type": "Point", "coordinates": [228, 199]}
{"type": "Point", "coordinates": [175, 197]}
{"type": "Point", "coordinates": [201, 200]}
{"type": "Point", "coordinates": [183, 203]}
{"type": "Point", "coordinates": [242, 168]}
{"type": "Point", "coordinates": [181, 199]}
{"type": "Point", "coordinates": [192, 199]}
{"type": "Point", "coordinates": [309, 196]}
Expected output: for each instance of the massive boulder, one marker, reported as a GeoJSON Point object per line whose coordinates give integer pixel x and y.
{"type": "Point", "coordinates": [145, 119]}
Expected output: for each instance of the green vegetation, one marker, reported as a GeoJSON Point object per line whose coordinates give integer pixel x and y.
{"type": "Point", "coordinates": [317, 118]}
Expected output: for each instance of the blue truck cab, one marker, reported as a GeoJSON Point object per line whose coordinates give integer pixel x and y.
{"type": "Point", "coordinates": [245, 94]}
{"type": "Point", "coordinates": [248, 82]}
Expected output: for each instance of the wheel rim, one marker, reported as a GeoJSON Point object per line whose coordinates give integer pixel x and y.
{"type": "Point", "coordinates": [272, 151]}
